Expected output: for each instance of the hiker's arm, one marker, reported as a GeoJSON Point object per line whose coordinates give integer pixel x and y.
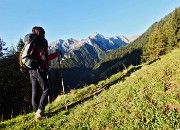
{"type": "Point", "coordinates": [52, 56]}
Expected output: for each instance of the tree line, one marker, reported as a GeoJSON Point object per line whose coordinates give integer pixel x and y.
{"type": "Point", "coordinates": [15, 87]}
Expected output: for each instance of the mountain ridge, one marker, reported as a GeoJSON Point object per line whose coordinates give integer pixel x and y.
{"type": "Point", "coordinates": [71, 44]}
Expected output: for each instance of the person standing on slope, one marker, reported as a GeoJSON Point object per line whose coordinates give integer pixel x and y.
{"type": "Point", "coordinates": [38, 76]}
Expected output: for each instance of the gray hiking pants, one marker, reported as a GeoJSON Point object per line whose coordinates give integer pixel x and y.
{"type": "Point", "coordinates": [39, 89]}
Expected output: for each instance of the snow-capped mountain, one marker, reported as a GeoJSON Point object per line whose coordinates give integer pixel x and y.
{"type": "Point", "coordinates": [64, 45]}
{"type": "Point", "coordinates": [105, 43]}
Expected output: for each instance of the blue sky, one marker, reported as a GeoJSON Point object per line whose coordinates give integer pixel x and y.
{"type": "Point", "coordinates": [63, 19]}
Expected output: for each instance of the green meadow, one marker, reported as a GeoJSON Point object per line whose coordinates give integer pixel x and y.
{"type": "Point", "coordinates": [139, 97]}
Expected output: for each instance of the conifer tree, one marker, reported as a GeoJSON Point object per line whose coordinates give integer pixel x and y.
{"type": "Point", "coordinates": [12, 50]}
{"type": "Point", "coordinates": [20, 45]}
{"type": "Point", "coordinates": [15, 87]}
{"type": "Point", "coordinates": [174, 32]}
{"type": "Point", "coordinates": [2, 48]}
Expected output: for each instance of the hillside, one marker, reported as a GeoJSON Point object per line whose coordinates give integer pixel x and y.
{"type": "Point", "coordinates": [160, 38]}
{"type": "Point", "coordinates": [140, 97]}
{"type": "Point", "coordinates": [98, 63]}
{"type": "Point", "coordinates": [81, 56]}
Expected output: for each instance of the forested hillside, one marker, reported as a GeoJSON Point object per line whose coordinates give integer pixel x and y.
{"type": "Point", "coordinates": [85, 56]}
{"type": "Point", "coordinates": [15, 87]}
{"type": "Point", "coordinates": [160, 38]}
{"type": "Point", "coordinates": [87, 52]}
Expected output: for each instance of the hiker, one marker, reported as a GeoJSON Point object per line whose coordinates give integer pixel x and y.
{"type": "Point", "coordinates": [38, 76]}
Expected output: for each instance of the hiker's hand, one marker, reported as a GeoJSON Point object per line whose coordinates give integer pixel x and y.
{"type": "Point", "coordinates": [58, 52]}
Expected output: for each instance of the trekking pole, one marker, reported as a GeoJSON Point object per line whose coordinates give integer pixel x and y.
{"type": "Point", "coordinates": [62, 83]}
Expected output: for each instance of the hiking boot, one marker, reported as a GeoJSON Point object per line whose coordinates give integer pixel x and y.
{"type": "Point", "coordinates": [39, 115]}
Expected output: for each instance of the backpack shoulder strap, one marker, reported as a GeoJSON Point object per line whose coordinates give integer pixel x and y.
{"type": "Point", "coordinates": [32, 42]}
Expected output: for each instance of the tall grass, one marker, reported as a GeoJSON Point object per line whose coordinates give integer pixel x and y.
{"type": "Point", "coordinates": [142, 97]}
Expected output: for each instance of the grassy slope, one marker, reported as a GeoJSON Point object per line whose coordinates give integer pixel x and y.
{"type": "Point", "coordinates": [145, 99]}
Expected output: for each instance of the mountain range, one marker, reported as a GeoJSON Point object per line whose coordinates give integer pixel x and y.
{"type": "Point", "coordinates": [105, 43]}
{"type": "Point", "coordinates": [81, 56]}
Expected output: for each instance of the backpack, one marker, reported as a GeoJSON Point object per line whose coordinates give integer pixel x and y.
{"type": "Point", "coordinates": [28, 58]}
